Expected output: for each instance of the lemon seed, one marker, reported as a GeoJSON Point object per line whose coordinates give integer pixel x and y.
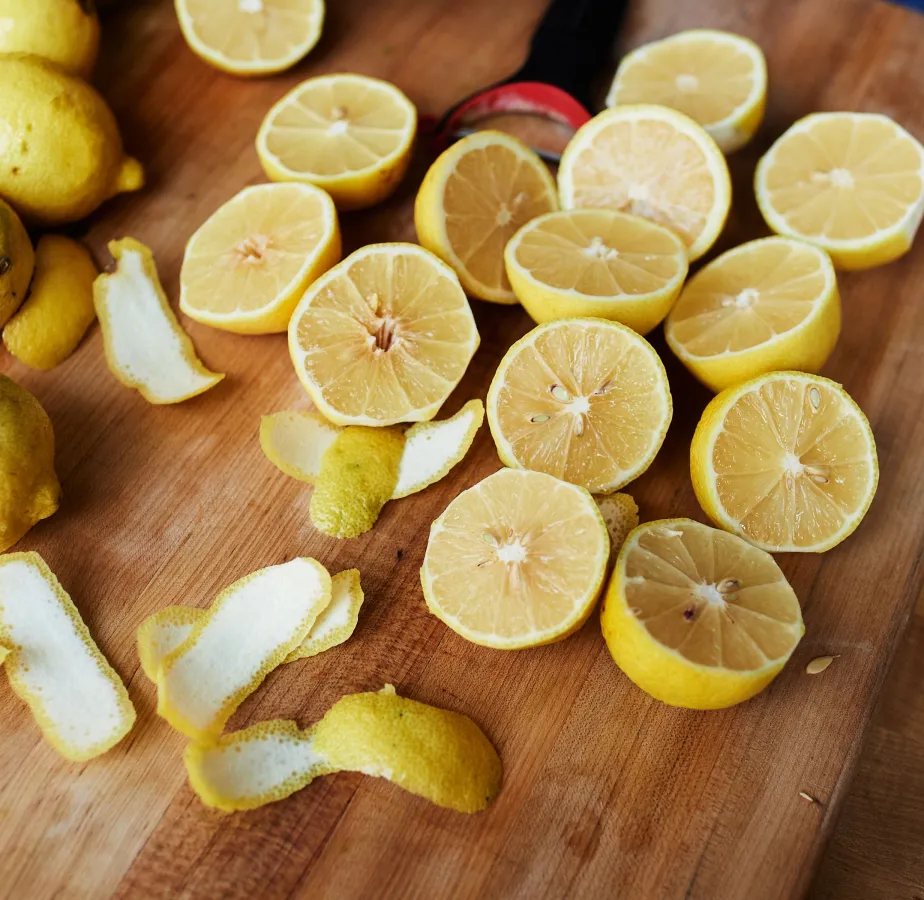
{"type": "Point", "coordinates": [808, 797]}
{"type": "Point", "coordinates": [559, 393]}
{"type": "Point", "coordinates": [819, 664]}
{"type": "Point", "coordinates": [542, 417]}
{"type": "Point", "coordinates": [815, 397]}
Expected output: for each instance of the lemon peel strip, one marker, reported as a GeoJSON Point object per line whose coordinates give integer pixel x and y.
{"type": "Point", "coordinates": [145, 346]}
{"type": "Point", "coordinates": [249, 630]}
{"type": "Point", "coordinates": [437, 754]}
{"type": "Point", "coordinates": [53, 664]}
{"type": "Point", "coordinates": [295, 442]}
{"type": "Point", "coordinates": [337, 621]}
{"type": "Point", "coordinates": [160, 634]}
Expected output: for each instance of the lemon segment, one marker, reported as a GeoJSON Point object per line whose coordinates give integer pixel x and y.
{"type": "Point", "coordinates": [696, 617]}
{"type": "Point", "coordinates": [17, 262]}
{"type": "Point", "coordinates": [851, 183]}
{"type": "Point", "coordinates": [251, 37]}
{"type": "Point", "coordinates": [383, 337]}
{"type": "Point", "coordinates": [29, 488]}
{"type": "Point", "coordinates": [473, 199]}
{"type": "Point", "coordinates": [358, 475]}
{"type": "Point", "coordinates": [59, 309]}
{"type": "Point", "coordinates": [516, 561]}
{"type": "Point", "coordinates": [349, 134]}
{"type": "Point", "coordinates": [226, 656]}
{"type": "Point", "coordinates": [53, 664]}
{"type": "Point", "coordinates": [247, 266]}
{"type": "Point", "coordinates": [598, 263]}
{"type": "Point", "coordinates": [62, 155]}
{"type": "Point", "coordinates": [64, 32]}
{"type": "Point", "coordinates": [144, 345]}
{"type": "Point", "coordinates": [717, 78]}
{"type": "Point", "coordinates": [767, 305]}
{"type": "Point", "coordinates": [653, 162]}
{"type": "Point", "coordinates": [585, 400]}
{"type": "Point", "coordinates": [620, 514]}
{"type": "Point", "coordinates": [786, 460]}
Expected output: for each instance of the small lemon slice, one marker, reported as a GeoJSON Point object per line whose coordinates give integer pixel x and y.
{"type": "Point", "coordinates": [349, 134]}
{"type": "Point", "coordinates": [472, 201]}
{"type": "Point", "coordinates": [251, 37]}
{"type": "Point", "coordinates": [697, 617]}
{"type": "Point", "coordinates": [516, 561]}
{"type": "Point", "coordinates": [248, 264]}
{"type": "Point", "coordinates": [596, 262]}
{"type": "Point", "coordinates": [383, 337]}
{"type": "Point", "coordinates": [717, 78]}
{"type": "Point", "coordinates": [144, 345]}
{"type": "Point", "coordinates": [585, 400]}
{"type": "Point", "coordinates": [769, 304]}
{"type": "Point", "coordinates": [654, 162]}
{"type": "Point", "coordinates": [786, 460]}
{"type": "Point", "coordinates": [851, 183]}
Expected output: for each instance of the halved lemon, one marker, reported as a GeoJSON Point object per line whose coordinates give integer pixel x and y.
{"type": "Point", "coordinates": [654, 162]}
{"type": "Point", "coordinates": [852, 183]}
{"type": "Point", "coordinates": [474, 198]}
{"type": "Point", "coordinates": [251, 37]}
{"type": "Point", "coordinates": [599, 263]}
{"type": "Point", "coordinates": [383, 337]}
{"type": "Point", "coordinates": [769, 304]}
{"type": "Point", "coordinates": [697, 617]}
{"type": "Point", "coordinates": [717, 78]}
{"type": "Point", "coordinates": [585, 400]}
{"type": "Point", "coordinates": [349, 134]}
{"type": "Point", "coordinates": [516, 561]}
{"type": "Point", "coordinates": [248, 264]}
{"type": "Point", "coordinates": [786, 460]}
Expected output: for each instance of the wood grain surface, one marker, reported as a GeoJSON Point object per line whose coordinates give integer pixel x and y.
{"type": "Point", "coordinates": [607, 793]}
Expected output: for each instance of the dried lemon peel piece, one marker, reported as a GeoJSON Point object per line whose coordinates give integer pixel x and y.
{"type": "Point", "coordinates": [249, 630]}
{"type": "Point", "coordinates": [160, 634]}
{"type": "Point", "coordinates": [620, 512]}
{"type": "Point", "coordinates": [53, 664]}
{"type": "Point", "coordinates": [359, 472]}
{"type": "Point", "coordinates": [145, 347]}
{"type": "Point", "coordinates": [337, 622]}
{"type": "Point", "coordinates": [434, 753]}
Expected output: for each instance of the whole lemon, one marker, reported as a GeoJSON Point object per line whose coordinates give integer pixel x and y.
{"type": "Point", "coordinates": [17, 260]}
{"type": "Point", "coordinates": [66, 32]}
{"type": "Point", "coordinates": [60, 149]}
{"type": "Point", "coordinates": [29, 488]}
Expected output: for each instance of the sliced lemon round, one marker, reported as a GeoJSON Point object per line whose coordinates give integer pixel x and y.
{"type": "Point", "coordinates": [349, 134]}
{"type": "Point", "coordinates": [599, 263]}
{"type": "Point", "coordinates": [717, 78]}
{"type": "Point", "coordinates": [654, 162]}
{"type": "Point", "coordinates": [516, 561]}
{"type": "Point", "coordinates": [473, 199]}
{"type": "Point", "coordinates": [383, 337]}
{"type": "Point", "coordinates": [585, 400]}
{"type": "Point", "coordinates": [697, 617]}
{"type": "Point", "coordinates": [248, 264]}
{"type": "Point", "coordinates": [767, 305]}
{"type": "Point", "coordinates": [786, 460]}
{"type": "Point", "coordinates": [251, 37]}
{"type": "Point", "coordinates": [852, 183]}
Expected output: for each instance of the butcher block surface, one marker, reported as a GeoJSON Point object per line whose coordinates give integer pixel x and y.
{"type": "Point", "coordinates": [607, 793]}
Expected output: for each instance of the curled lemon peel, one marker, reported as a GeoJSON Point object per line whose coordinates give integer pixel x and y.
{"type": "Point", "coordinates": [53, 664]}
{"type": "Point", "coordinates": [248, 631]}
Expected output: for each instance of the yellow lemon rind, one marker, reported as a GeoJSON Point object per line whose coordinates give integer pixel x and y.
{"type": "Point", "coordinates": [307, 467]}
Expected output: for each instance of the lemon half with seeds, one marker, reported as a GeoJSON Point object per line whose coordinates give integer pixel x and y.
{"type": "Point", "coordinates": [697, 617]}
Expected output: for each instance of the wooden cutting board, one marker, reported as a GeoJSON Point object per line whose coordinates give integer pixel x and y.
{"type": "Point", "coordinates": [607, 793]}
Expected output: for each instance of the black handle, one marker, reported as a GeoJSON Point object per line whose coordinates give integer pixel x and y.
{"type": "Point", "coordinates": [572, 43]}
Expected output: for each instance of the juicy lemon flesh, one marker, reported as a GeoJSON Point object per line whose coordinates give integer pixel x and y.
{"type": "Point", "coordinates": [745, 299]}
{"type": "Point", "coordinates": [586, 401]}
{"type": "Point", "coordinates": [516, 561]}
{"type": "Point", "coordinates": [385, 339]}
{"type": "Point", "coordinates": [707, 78]}
{"type": "Point", "coordinates": [647, 168]}
{"type": "Point", "coordinates": [698, 617]}
{"type": "Point", "coordinates": [488, 196]}
{"type": "Point", "coordinates": [334, 127]}
{"type": "Point", "coordinates": [794, 464]}
{"type": "Point", "coordinates": [250, 31]}
{"type": "Point", "coordinates": [845, 178]}
{"type": "Point", "coordinates": [252, 252]}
